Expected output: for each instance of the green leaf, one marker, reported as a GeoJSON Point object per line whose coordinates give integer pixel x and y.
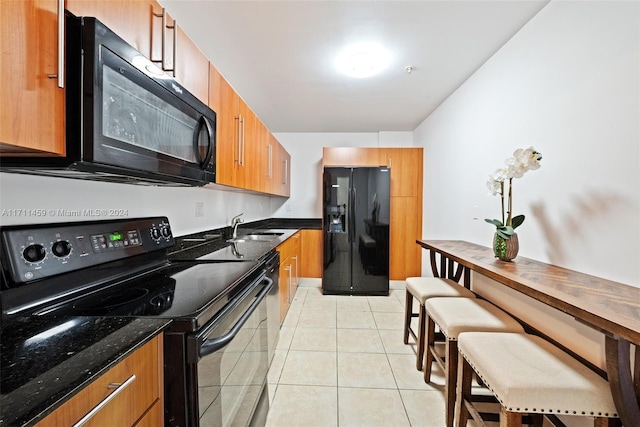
{"type": "Point", "coordinates": [517, 221]}
{"type": "Point", "coordinates": [495, 222]}
{"type": "Point", "coordinates": [505, 232]}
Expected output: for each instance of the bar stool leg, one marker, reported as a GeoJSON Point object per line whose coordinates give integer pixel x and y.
{"type": "Point", "coordinates": [421, 338]}
{"type": "Point", "coordinates": [428, 355]}
{"type": "Point", "coordinates": [510, 419]}
{"type": "Point", "coordinates": [408, 304]}
{"type": "Point", "coordinates": [451, 366]}
{"type": "Point", "coordinates": [463, 392]}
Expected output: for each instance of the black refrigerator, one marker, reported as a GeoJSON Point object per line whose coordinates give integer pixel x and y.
{"type": "Point", "coordinates": [356, 231]}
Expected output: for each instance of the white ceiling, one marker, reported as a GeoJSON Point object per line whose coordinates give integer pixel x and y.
{"type": "Point", "coordinates": [278, 55]}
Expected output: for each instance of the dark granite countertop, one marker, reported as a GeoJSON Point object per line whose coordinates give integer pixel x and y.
{"type": "Point", "coordinates": [196, 245]}
{"type": "Point", "coordinates": [46, 360]}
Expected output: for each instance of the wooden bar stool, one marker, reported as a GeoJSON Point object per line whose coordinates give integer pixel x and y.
{"type": "Point", "coordinates": [453, 316]}
{"type": "Point", "coordinates": [529, 375]}
{"type": "Point", "coordinates": [422, 288]}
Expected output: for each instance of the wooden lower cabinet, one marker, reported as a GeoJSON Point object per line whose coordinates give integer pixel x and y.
{"type": "Point", "coordinates": [290, 251]}
{"type": "Point", "coordinates": [154, 417]}
{"type": "Point", "coordinates": [311, 253]}
{"type": "Point", "coordinates": [141, 402]}
{"type": "Point", "coordinates": [405, 256]}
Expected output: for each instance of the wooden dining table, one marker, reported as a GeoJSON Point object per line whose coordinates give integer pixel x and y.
{"type": "Point", "coordinates": [607, 306]}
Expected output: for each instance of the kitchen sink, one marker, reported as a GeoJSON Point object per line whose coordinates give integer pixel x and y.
{"type": "Point", "coordinates": [266, 236]}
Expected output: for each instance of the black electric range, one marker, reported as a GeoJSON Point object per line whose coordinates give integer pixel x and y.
{"type": "Point", "coordinates": [55, 273]}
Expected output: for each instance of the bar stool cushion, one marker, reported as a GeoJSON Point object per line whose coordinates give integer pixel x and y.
{"type": "Point", "coordinates": [423, 288]}
{"type": "Point", "coordinates": [456, 315]}
{"type": "Point", "coordinates": [530, 375]}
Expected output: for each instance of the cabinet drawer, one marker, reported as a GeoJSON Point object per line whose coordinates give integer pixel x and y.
{"type": "Point", "coordinates": [122, 394]}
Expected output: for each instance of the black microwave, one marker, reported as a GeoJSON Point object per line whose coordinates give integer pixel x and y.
{"type": "Point", "coordinates": [126, 119]}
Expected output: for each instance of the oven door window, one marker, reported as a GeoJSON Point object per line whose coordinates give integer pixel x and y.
{"type": "Point", "coordinates": [230, 380]}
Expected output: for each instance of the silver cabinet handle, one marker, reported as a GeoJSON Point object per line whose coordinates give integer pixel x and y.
{"type": "Point", "coordinates": [286, 172]}
{"type": "Point", "coordinates": [270, 160]}
{"type": "Point", "coordinates": [242, 145]}
{"type": "Point", "coordinates": [61, 39]}
{"type": "Point", "coordinates": [288, 268]}
{"type": "Point", "coordinates": [297, 275]}
{"type": "Point", "coordinates": [119, 388]}
{"type": "Point", "coordinates": [175, 47]}
{"type": "Point", "coordinates": [164, 42]}
{"type": "Point", "coordinates": [240, 159]}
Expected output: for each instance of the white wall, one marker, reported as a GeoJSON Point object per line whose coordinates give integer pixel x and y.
{"type": "Point", "coordinates": [55, 195]}
{"type": "Point", "coordinates": [568, 84]}
{"type": "Point", "coordinates": [306, 165]}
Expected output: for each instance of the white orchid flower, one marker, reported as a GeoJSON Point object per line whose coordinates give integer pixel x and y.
{"type": "Point", "coordinates": [494, 186]}
{"type": "Point", "coordinates": [500, 182]}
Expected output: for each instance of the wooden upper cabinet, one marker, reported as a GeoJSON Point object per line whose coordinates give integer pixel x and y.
{"type": "Point", "coordinates": [32, 121]}
{"type": "Point", "coordinates": [224, 101]}
{"type": "Point", "coordinates": [186, 63]}
{"type": "Point", "coordinates": [278, 164]}
{"type": "Point", "coordinates": [131, 20]}
{"type": "Point", "coordinates": [249, 157]}
{"type": "Point", "coordinates": [406, 171]}
{"type": "Point", "coordinates": [261, 178]}
{"type": "Point", "coordinates": [353, 156]}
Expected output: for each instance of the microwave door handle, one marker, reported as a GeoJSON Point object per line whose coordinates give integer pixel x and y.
{"type": "Point", "coordinates": [210, 147]}
{"type": "Point", "coordinates": [214, 344]}
{"type": "Point", "coordinates": [203, 122]}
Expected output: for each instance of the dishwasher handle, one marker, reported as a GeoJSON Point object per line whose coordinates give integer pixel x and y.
{"type": "Point", "coordinates": [214, 344]}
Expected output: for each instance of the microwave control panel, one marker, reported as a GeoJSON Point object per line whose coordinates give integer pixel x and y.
{"type": "Point", "coordinates": [38, 251]}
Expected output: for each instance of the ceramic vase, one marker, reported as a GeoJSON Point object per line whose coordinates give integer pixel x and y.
{"type": "Point", "coordinates": [505, 250]}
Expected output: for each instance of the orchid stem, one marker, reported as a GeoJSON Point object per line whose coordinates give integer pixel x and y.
{"type": "Point", "coordinates": [502, 198]}
{"type": "Point", "coordinates": [510, 217]}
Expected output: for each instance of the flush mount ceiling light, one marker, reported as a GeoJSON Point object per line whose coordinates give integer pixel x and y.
{"type": "Point", "coordinates": [363, 60]}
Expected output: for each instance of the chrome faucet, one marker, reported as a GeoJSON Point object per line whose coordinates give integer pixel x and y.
{"type": "Point", "coordinates": [234, 223]}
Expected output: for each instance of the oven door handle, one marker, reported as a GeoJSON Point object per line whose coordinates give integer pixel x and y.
{"type": "Point", "coordinates": [214, 344]}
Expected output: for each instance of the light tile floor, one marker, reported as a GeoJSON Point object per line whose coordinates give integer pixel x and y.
{"type": "Point", "coordinates": [340, 361]}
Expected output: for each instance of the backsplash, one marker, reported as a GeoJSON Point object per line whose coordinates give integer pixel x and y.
{"type": "Point", "coordinates": [28, 199]}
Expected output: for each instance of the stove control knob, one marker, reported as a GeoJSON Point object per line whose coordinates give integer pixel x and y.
{"type": "Point", "coordinates": [61, 249]}
{"type": "Point", "coordinates": [166, 232]}
{"type": "Point", "coordinates": [155, 233]}
{"type": "Point", "coordinates": [34, 253]}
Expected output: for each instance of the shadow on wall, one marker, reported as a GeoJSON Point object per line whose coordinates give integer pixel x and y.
{"type": "Point", "coordinates": [595, 206]}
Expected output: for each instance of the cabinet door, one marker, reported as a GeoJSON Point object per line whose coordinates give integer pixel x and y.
{"type": "Point", "coordinates": [281, 164]}
{"type": "Point", "coordinates": [32, 121]}
{"type": "Point", "coordinates": [186, 62]}
{"type": "Point", "coordinates": [261, 175]}
{"type": "Point", "coordinates": [406, 171]}
{"type": "Point", "coordinates": [191, 67]}
{"type": "Point", "coordinates": [311, 253]}
{"type": "Point", "coordinates": [284, 286]}
{"type": "Point", "coordinates": [224, 101]}
{"type": "Point", "coordinates": [353, 156]}
{"type": "Point", "coordinates": [131, 20]}
{"type": "Point", "coordinates": [138, 384]}
{"type": "Point", "coordinates": [406, 228]}
{"type": "Point", "coordinates": [296, 262]}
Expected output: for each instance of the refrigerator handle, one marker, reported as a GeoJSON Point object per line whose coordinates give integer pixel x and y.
{"type": "Point", "coordinates": [352, 216]}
